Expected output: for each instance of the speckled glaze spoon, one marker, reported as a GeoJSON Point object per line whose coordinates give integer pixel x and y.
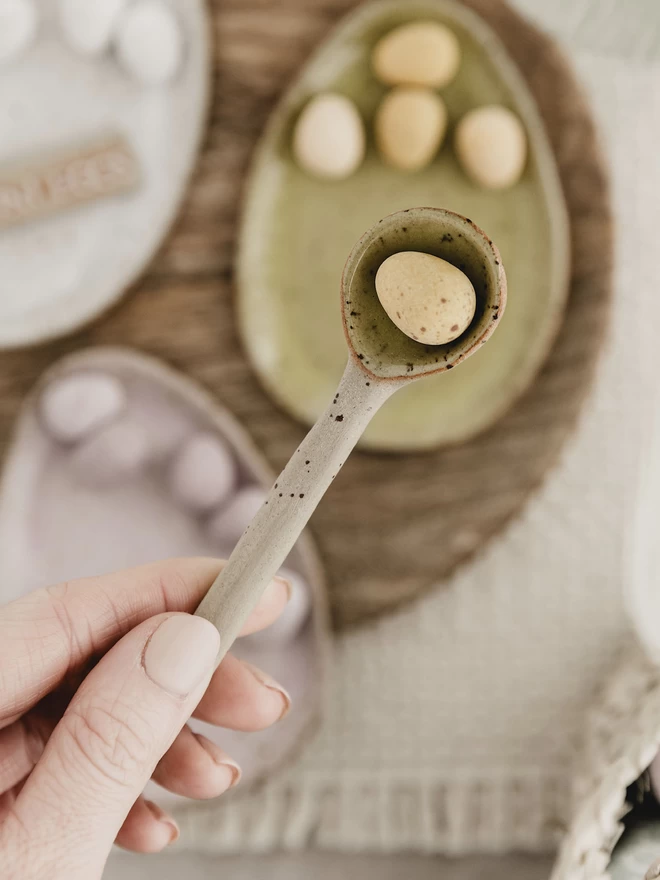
{"type": "Point", "coordinates": [381, 360]}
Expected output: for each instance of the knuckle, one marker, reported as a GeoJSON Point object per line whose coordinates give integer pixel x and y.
{"type": "Point", "coordinates": [114, 744]}
{"type": "Point", "coordinates": [170, 581]}
{"type": "Point", "coordinates": [59, 608]}
{"type": "Point", "coordinates": [35, 629]}
{"type": "Point", "coordinates": [15, 857]}
{"type": "Point", "coordinates": [16, 846]}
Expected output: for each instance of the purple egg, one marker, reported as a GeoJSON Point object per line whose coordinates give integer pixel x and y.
{"type": "Point", "coordinates": [113, 455]}
{"type": "Point", "coordinates": [227, 526]}
{"type": "Point", "coordinates": [74, 406]}
{"type": "Point", "coordinates": [292, 619]}
{"type": "Point", "coordinates": [203, 473]}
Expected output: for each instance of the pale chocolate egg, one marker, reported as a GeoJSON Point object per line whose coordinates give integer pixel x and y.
{"type": "Point", "coordinates": [421, 53]}
{"type": "Point", "coordinates": [329, 139]}
{"type": "Point", "coordinates": [491, 146]}
{"type": "Point", "coordinates": [227, 526]}
{"type": "Point", "coordinates": [74, 406]}
{"type": "Point", "coordinates": [410, 125]}
{"type": "Point", "coordinates": [203, 473]}
{"type": "Point", "coordinates": [428, 299]}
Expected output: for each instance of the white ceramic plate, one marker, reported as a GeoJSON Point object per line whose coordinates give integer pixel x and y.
{"type": "Point", "coordinates": [58, 273]}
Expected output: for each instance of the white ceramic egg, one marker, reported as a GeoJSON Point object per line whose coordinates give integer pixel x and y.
{"type": "Point", "coordinates": [149, 42]}
{"type": "Point", "coordinates": [88, 25]}
{"type": "Point", "coordinates": [18, 26]}
{"type": "Point", "coordinates": [329, 139]}
{"type": "Point", "coordinates": [74, 406]}
{"type": "Point", "coordinates": [202, 473]}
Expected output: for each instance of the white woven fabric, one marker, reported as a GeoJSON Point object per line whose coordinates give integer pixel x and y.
{"type": "Point", "coordinates": [622, 738]}
{"type": "Point", "coordinates": [452, 725]}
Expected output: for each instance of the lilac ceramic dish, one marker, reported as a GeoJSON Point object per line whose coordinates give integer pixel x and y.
{"type": "Point", "coordinates": [117, 460]}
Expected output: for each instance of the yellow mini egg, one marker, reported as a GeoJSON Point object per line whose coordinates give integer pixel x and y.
{"type": "Point", "coordinates": [421, 53]}
{"type": "Point", "coordinates": [410, 126]}
{"type": "Point", "coordinates": [428, 299]}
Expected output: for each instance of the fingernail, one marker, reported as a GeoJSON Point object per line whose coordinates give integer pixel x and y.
{"type": "Point", "coordinates": [288, 586]}
{"type": "Point", "coordinates": [218, 757]}
{"type": "Point", "coordinates": [162, 817]}
{"type": "Point", "coordinates": [272, 685]}
{"type": "Point", "coordinates": [35, 743]}
{"type": "Point", "coordinates": [275, 586]}
{"type": "Point", "coordinates": [181, 653]}
{"type": "Point", "coordinates": [653, 872]}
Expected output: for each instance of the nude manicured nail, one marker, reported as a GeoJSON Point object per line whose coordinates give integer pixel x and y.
{"type": "Point", "coordinates": [181, 653]}
{"type": "Point", "coordinates": [272, 685]}
{"type": "Point", "coordinates": [288, 586]}
{"type": "Point", "coordinates": [218, 757]}
{"type": "Point", "coordinates": [161, 817]}
{"type": "Point", "coordinates": [274, 589]}
{"type": "Point", "coordinates": [653, 872]}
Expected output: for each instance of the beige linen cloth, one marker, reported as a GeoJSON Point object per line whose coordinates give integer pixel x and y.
{"type": "Point", "coordinates": [452, 725]}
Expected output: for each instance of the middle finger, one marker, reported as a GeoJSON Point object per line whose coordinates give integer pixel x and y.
{"type": "Point", "coordinates": [242, 697]}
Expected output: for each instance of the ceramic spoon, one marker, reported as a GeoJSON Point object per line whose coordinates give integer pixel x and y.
{"type": "Point", "coordinates": [381, 360]}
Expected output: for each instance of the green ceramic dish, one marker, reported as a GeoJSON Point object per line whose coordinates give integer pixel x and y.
{"type": "Point", "coordinates": [297, 232]}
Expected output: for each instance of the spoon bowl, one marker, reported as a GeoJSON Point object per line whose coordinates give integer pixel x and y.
{"type": "Point", "coordinates": [381, 360]}
{"type": "Point", "coordinates": [384, 351]}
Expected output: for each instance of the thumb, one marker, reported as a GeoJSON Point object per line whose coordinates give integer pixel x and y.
{"type": "Point", "coordinates": [119, 724]}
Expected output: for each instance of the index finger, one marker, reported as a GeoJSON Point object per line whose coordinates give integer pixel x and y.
{"type": "Point", "coordinates": [48, 634]}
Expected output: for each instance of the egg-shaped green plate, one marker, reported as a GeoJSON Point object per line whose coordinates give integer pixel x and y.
{"type": "Point", "coordinates": [297, 231]}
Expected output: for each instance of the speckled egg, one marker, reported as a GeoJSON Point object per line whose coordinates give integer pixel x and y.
{"type": "Point", "coordinates": [329, 139]}
{"type": "Point", "coordinates": [202, 473]}
{"type": "Point", "coordinates": [491, 146]}
{"type": "Point", "coordinates": [427, 298]}
{"type": "Point", "coordinates": [74, 406]}
{"type": "Point", "coordinates": [410, 125]}
{"type": "Point", "coordinates": [227, 526]}
{"type": "Point", "coordinates": [421, 53]}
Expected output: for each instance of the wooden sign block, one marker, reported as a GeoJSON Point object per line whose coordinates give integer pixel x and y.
{"type": "Point", "coordinates": [29, 191]}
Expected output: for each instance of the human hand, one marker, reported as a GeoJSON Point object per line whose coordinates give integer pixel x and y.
{"type": "Point", "coordinates": [97, 680]}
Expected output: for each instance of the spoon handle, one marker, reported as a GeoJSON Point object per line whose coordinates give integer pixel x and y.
{"type": "Point", "coordinates": [271, 535]}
